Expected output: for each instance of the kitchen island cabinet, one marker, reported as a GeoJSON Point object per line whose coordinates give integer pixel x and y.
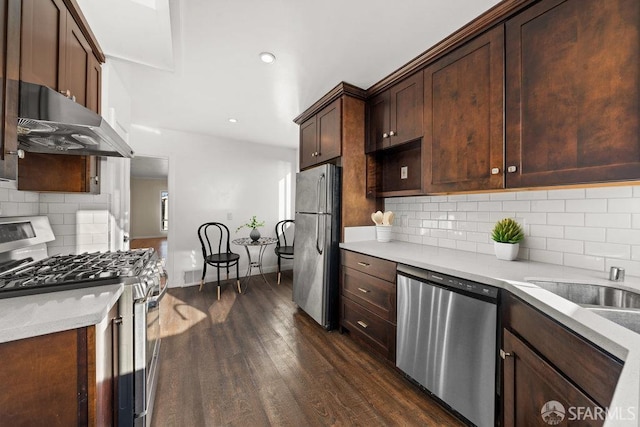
{"type": "Point", "coordinates": [58, 50]}
{"type": "Point", "coordinates": [368, 301]}
{"type": "Point", "coordinates": [572, 93]}
{"type": "Point", "coordinates": [62, 378]}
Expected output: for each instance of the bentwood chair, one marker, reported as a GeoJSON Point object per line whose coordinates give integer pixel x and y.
{"type": "Point", "coordinates": [216, 251]}
{"type": "Point", "coordinates": [284, 247]}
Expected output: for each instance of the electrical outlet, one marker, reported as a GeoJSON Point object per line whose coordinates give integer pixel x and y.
{"type": "Point", "coordinates": [229, 216]}
{"type": "Point", "coordinates": [404, 172]}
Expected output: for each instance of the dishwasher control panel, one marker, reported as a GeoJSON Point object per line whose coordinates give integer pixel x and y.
{"type": "Point", "coordinates": [462, 284]}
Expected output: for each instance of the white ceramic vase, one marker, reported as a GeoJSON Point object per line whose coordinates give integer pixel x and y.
{"type": "Point", "coordinates": [506, 251]}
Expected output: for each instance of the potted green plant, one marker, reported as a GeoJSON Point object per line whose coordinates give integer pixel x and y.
{"type": "Point", "coordinates": [253, 224]}
{"type": "Point", "coordinates": [507, 235]}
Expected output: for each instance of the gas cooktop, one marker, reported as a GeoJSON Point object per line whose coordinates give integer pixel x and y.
{"type": "Point", "coordinates": [63, 272]}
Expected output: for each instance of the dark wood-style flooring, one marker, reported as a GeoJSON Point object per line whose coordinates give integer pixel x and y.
{"type": "Point", "coordinates": [256, 360]}
{"type": "Point", "coordinates": [158, 243]}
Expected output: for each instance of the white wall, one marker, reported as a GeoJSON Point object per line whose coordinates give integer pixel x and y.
{"type": "Point", "coordinates": [145, 207]}
{"type": "Point", "coordinates": [213, 179]}
{"type": "Point", "coordinates": [592, 228]}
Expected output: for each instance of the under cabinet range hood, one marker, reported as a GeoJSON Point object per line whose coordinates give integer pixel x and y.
{"type": "Point", "coordinates": [49, 122]}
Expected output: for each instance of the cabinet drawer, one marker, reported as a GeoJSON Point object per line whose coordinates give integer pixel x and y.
{"type": "Point", "coordinates": [372, 330]}
{"type": "Point", "coordinates": [383, 269]}
{"type": "Point", "coordinates": [593, 370]}
{"type": "Point", "coordinates": [376, 295]}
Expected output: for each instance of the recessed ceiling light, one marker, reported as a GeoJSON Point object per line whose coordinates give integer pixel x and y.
{"type": "Point", "coordinates": [267, 57]}
{"type": "Point", "coordinates": [232, 120]}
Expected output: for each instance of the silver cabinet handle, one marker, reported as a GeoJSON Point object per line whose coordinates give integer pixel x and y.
{"type": "Point", "coordinates": [363, 264]}
{"type": "Point", "coordinates": [512, 169]}
{"type": "Point", "coordinates": [361, 323]}
{"type": "Point", "coordinates": [385, 135]}
{"type": "Point", "coordinates": [19, 153]}
{"type": "Point", "coordinates": [495, 171]}
{"type": "Point", "coordinates": [363, 290]}
{"type": "Point", "coordinates": [313, 154]}
{"type": "Point", "coordinates": [392, 133]}
{"type": "Point", "coordinates": [504, 354]}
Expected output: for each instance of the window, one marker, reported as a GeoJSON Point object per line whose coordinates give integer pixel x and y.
{"type": "Point", "coordinates": [164, 210]}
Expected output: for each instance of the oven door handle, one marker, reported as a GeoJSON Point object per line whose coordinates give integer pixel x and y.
{"type": "Point", "coordinates": [156, 300]}
{"type": "Point", "coordinates": [146, 297]}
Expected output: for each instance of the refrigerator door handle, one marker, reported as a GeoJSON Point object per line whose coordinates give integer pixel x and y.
{"type": "Point", "coordinates": [319, 247]}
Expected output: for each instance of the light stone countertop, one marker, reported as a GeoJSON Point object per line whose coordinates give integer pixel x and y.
{"type": "Point", "coordinates": [34, 315]}
{"type": "Point", "coordinates": [512, 276]}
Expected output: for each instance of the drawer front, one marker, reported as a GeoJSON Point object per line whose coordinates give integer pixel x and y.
{"type": "Point", "coordinates": [376, 295]}
{"type": "Point", "coordinates": [374, 331]}
{"type": "Point", "coordinates": [383, 269]}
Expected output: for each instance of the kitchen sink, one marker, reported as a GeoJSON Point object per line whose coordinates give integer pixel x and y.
{"type": "Point", "coordinates": [618, 305]}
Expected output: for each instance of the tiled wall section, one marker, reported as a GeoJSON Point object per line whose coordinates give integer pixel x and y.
{"type": "Point", "coordinates": [592, 228]}
{"type": "Point", "coordinates": [80, 222]}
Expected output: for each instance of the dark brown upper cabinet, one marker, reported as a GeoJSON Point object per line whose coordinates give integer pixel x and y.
{"type": "Point", "coordinates": [463, 117]}
{"type": "Point", "coordinates": [321, 136]}
{"type": "Point", "coordinates": [9, 88]}
{"type": "Point", "coordinates": [394, 116]}
{"type": "Point", "coordinates": [57, 50]}
{"type": "Point", "coordinates": [572, 93]}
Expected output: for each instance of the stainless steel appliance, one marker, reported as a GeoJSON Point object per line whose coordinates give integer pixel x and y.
{"type": "Point", "coordinates": [446, 340]}
{"type": "Point", "coordinates": [49, 122]}
{"type": "Point", "coordinates": [26, 269]}
{"type": "Point", "coordinates": [315, 265]}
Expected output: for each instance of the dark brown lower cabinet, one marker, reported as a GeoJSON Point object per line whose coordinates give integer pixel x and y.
{"type": "Point", "coordinates": [368, 301]}
{"type": "Point", "coordinates": [549, 371]}
{"type": "Point", "coordinates": [60, 379]}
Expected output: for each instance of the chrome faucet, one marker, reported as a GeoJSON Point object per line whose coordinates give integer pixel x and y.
{"type": "Point", "coordinates": [616, 274]}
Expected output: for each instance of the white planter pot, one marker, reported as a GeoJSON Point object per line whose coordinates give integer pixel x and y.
{"type": "Point", "coordinates": [506, 251]}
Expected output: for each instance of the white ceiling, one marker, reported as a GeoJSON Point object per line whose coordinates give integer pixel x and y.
{"type": "Point", "coordinates": [207, 70]}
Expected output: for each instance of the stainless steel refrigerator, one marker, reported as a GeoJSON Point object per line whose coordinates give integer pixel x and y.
{"type": "Point", "coordinates": [315, 265]}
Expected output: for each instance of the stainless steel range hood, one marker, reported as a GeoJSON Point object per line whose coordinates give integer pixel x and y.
{"type": "Point", "coordinates": [49, 122]}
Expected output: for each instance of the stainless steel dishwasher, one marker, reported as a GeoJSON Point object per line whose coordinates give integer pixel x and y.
{"type": "Point", "coordinates": [446, 341]}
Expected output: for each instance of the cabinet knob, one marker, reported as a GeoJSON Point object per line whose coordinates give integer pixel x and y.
{"type": "Point", "coordinates": [504, 354]}
{"type": "Point", "coordinates": [385, 135]}
{"type": "Point", "coordinates": [66, 93]}
{"type": "Point", "coordinates": [512, 169]}
{"type": "Point", "coordinates": [392, 133]}
{"type": "Point", "coordinates": [313, 154]}
{"type": "Point", "coordinates": [495, 171]}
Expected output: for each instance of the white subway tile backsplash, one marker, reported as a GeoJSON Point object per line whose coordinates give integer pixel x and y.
{"type": "Point", "coordinates": [586, 205]}
{"type": "Point", "coordinates": [624, 205]}
{"type": "Point", "coordinates": [607, 250]}
{"type": "Point", "coordinates": [609, 192]}
{"type": "Point", "coordinates": [62, 208]}
{"type": "Point", "coordinates": [51, 198]}
{"type": "Point", "coordinates": [623, 236]}
{"type": "Point", "coordinates": [56, 219]}
{"type": "Point", "coordinates": [589, 228]}
{"type": "Point", "coordinates": [16, 196]}
{"type": "Point", "coordinates": [9, 209]}
{"type": "Point", "coordinates": [4, 194]}
{"type": "Point", "coordinates": [546, 256]}
{"type": "Point", "coordinates": [565, 219]}
{"type": "Point", "coordinates": [548, 206]}
{"type": "Point", "coordinates": [608, 220]}
{"type": "Point", "coordinates": [584, 261]}
{"type": "Point", "coordinates": [591, 234]}
{"type": "Point", "coordinates": [573, 193]}
{"type": "Point", "coordinates": [31, 197]}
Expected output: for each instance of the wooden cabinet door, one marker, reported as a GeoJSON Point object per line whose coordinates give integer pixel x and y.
{"type": "Point", "coordinates": [572, 93]}
{"type": "Point", "coordinates": [44, 26]}
{"type": "Point", "coordinates": [529, 382]}
{"type": "Point", "coordinates": [329, 126]}
{"type": "Point", "coordinates": [405, 110]}
{"type": "Point", "coordinates": [9, 76]}
{"type": "Point", "coordinates": [463, 117]}
{"type": "Point", "coordinates": [94, 84]}
{"type": "Point", "coordinates": [308, 143]}
{"type": "Point", "coordinates": [378, 122]}
{"type": "Point", "coordinates": [57, 172]}
{"type": "Point", "coordinates": [77, 63]}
